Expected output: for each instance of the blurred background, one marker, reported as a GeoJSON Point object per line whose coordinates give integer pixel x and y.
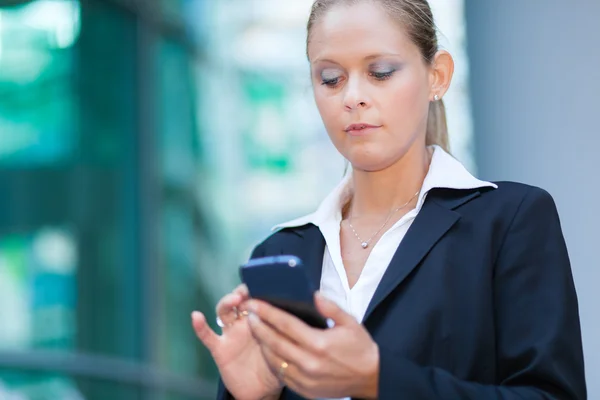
{"type": "Point", "coordinates": [147, 145]}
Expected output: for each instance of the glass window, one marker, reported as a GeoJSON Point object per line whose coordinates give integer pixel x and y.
{"type": "Point", "coordinates": [37, 102]}
{"type": "Point", "coordinates": [38, 290]}
{"type": "Point", "coordinates": [68, 237]}
{"type": "Point", "coordinates": [184, 239]}
{"type": "Point", "coordinates": [38, 386]}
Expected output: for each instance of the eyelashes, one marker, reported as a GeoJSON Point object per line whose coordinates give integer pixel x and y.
{"type": "Point", "coordinates": [330, 82]}
{"type": "Point", "coordinates": [379, 76]}
{"type": "Point", "coordinates": [382, 76]}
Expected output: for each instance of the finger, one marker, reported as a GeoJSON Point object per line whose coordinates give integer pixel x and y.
{"type": "Point", "coordinates": [331, 310]}
{"type": "Point", "coordinates": [272, 362]}
{"type": "Point", "coordinates": [228, 303]}
{"type": "Point", "coordinates": [227, 308]}
{"type": "Point", "coordinates": [204, 332]}
{"type": "Point", "coordinates": [291, 375]}
{"type": "Point", "coordinates": [283, 347]}
{"type": "Point", "coordinates": [288, 376]}
{"type": "Point", "coordinates": [285, 323]}
{"type": "Point", "coordinates": [242, 290]}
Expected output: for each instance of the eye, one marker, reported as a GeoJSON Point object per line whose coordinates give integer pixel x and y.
{"type": "Point", "coordinates": [331, 77]}
{"type": "Point", "coordinates": [382, 76]}
{"type": "Point", "coordinates": [331, 82]}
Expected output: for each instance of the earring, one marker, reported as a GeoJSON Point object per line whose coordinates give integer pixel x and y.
{"type": "Point", "coordinates": [436, 97]}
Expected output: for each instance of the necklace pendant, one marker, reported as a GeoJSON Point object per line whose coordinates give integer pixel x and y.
{"type": "Point", "coordinates": [364, 245]}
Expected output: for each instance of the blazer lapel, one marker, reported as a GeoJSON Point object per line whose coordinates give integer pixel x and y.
{"type": "Point", "coordinates": [310, 249]}
{"type": "Point", "coordinates": [433, 221]}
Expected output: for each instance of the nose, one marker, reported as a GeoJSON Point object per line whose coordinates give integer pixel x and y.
{"type": "Point", "coordinates": [355, 96]}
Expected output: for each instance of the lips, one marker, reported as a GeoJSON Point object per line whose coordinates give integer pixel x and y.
{"type": "Point", "coordinates": [360, 127]}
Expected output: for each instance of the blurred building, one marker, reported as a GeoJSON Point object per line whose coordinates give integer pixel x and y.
{"type": "Point", "coordinates": [101, 230]}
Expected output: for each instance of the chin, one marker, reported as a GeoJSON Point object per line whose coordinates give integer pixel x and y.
{"type": "Point", "coordinates": [370, 162]}
{"type": "Point", "coordinates": [372, 158]}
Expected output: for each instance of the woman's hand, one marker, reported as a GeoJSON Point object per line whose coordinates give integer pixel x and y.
{"type": "Point", "coordinates": [238, 356]}
{"type": "Point", "coordinates": [342, 361]}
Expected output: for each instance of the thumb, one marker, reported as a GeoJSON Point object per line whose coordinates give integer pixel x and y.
{"type": "Point", "coordinates": [204, 332]}
{"type": "Point", "coordinates": [329, 309]}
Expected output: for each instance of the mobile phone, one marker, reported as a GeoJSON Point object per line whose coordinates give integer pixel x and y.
{"type": "Point", "coordinates": [283, 282]}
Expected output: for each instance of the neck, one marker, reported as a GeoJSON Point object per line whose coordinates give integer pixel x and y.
{"type": "Point", "coordinates": [376, 193]}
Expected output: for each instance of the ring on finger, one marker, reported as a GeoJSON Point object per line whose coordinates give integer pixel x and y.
{"type": "Point", "coordinates": [240, 313]}
{"type": "Point", "coordinates": [237, 313]}
{"type": "Point", "coordinates": [282, 368]}
{"type": "Point", "coordinates": [220, 323]}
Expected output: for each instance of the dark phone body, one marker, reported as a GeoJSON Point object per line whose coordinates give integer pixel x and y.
{"type": "Point", "coordinates": [283, 282]}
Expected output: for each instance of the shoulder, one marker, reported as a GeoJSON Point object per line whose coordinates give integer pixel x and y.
{"type": "Point", "coordinates": [280, 239]}
{"type": "Point", "coordinates": [519, 191]}
{"type": "Point", "coordinates": [503, 200]}
{"type": "Point", "coordinates": [504, 208]}
{"type": "Point", "coordinates": [513, 197]}
{"type": "Point", "coordinates": [520, 208]}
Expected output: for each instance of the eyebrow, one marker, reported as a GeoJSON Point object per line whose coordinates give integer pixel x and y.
{"type": "Point", "coordinates": [379, 55]}
{"type": "Point", "coordinates": [367, 58]}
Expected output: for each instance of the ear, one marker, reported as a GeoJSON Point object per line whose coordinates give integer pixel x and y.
{"type": "Point", "coordinates": [440, 77]}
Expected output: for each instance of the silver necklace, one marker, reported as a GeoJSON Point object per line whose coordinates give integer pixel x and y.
{"type": "Point", "coordinates": [364, 244]}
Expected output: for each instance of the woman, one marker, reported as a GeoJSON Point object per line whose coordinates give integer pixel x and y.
{"type": "Point", "coordinates": [441, 286]}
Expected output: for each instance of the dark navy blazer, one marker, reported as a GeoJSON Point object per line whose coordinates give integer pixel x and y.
{"type": "Point", "coordinates": [477, 303]}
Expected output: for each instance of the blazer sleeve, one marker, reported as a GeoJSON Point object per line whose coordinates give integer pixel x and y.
{"type": "Point", "coordinates": [539, 351]}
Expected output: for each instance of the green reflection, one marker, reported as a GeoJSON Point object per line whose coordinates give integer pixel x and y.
{"type": "Point", "coordinates": [36, 92]}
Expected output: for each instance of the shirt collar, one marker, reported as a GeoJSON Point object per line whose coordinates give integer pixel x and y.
{"type": "Point", "coordinates": [444, 172]}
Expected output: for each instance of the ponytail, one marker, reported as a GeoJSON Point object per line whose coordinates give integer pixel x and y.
{"type": "Point", "coordinates": [437, 129]}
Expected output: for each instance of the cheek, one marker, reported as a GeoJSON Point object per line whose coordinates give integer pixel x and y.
{"type": "Point", "coordinates": [329, 109]}
{"type": "Point", "coordinates": [325, 104]}
{"type": "Point", "coordinates": [406, 105]}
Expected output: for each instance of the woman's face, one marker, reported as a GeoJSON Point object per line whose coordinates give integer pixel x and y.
{"type": "Point", "coordinates": [371, 85]}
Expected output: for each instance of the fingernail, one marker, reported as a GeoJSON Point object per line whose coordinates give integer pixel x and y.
{"type": "Point", "coordinates": [196, 314]}
{"type": "Point", "coordinates": [252, 307]}
{"type": "Point", "coordinates": [253, 318]}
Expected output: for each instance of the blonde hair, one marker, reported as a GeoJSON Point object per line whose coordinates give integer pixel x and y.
{"type": "Point", "coordinates": [416, 17]}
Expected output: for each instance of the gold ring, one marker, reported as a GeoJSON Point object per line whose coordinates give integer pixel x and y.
{"type": "Point", "coordinates": [239, 313]}
{"type": "Point", "coordinates": [282, 369]}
